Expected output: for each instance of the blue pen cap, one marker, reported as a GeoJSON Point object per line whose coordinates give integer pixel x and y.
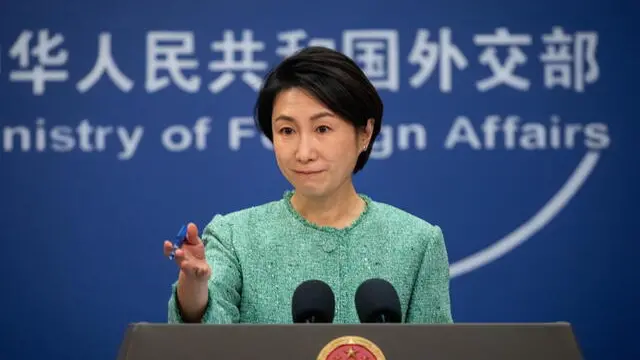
{"type": "Point", "coordinates": [180, 238]}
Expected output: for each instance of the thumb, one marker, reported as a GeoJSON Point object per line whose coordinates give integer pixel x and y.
{"type": "Point", "coordinates": [192, 234]}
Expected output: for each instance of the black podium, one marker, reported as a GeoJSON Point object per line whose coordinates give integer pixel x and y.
{"type": "Point", "coordinates": [545, 341]}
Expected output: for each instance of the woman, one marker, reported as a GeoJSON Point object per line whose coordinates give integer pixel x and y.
{"type": "Point", "coordinates": [322, 115]}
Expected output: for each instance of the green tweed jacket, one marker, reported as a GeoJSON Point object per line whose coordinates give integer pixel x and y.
{"type": "Point", "coordinates": [261, 254]}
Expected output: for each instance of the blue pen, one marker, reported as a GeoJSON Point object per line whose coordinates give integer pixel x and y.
{"type": "Point", "coordinates": [181, 237]}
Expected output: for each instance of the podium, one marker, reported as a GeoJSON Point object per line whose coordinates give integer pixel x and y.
{"type": "Point", "coordinates": [529, 341]}
{"type": "Point", "coordinates": [534, 341]}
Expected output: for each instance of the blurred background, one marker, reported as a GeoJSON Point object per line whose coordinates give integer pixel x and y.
{"type": "Point", "coordinates": [510, 124]}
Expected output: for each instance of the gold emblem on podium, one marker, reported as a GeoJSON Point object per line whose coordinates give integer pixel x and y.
{"type": "Point", "coordinates": [351, 348]}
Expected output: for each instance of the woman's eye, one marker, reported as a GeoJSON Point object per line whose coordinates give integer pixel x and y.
{"type": "Point", "coordinates": [286, 131]}
{"type": "Point", "coordinates": [323, 129]}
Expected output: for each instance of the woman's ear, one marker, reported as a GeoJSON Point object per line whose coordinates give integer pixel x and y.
{"type": "Point", "coordinates": [366, 135]}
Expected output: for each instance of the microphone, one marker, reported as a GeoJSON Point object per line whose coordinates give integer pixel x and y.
{"type": "Point", "coordinates": [377, 302]}
{"type": "Point", "coordinates": [313, 302]}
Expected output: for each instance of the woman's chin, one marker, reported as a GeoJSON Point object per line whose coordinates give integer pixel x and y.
{"type": "Point", "coordinates": [310, 190]}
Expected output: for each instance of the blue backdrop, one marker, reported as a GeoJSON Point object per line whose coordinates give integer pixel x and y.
{"type": "Point", "coordinates": [510, 124]}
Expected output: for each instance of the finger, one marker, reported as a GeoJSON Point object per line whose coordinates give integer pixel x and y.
{"type": "Point", "coordinates": [192, 234]}
{"type": "Point", "coordinates": [190, 268]}
{"type": "Point", "coordinates": [180, 257]}
{"type": "Point", "coordinates": [167, 248]}
{"type": "Point", "coordinates": [193, 267]}
{"type": "Point", "coordinates": [207, 271]}
{"type": "Point", "coordinates": [187, 268]}
{"type": "Point", "coordinates": [198, 271]}
{"type": "Point", "coordinates": [202, 270]}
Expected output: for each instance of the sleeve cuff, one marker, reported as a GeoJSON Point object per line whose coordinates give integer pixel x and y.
{"type": "Point", "coordinates": [174, 314]}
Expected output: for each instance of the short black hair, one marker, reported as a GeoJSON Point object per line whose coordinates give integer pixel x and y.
{"type": "Point", "coordinates": [332, 78]}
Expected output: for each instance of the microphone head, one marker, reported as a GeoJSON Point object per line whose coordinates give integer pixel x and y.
{"type": "Point", "coordinates": [377, 301]}
{"type": "Point", "coordinates": [313, 301]}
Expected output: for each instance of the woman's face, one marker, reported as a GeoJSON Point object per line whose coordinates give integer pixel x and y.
{"type": "Point", "coordinates": [315, 149]}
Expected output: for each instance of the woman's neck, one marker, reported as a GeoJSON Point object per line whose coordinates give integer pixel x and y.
{"type": "Point", "coordinates": [338, 210]}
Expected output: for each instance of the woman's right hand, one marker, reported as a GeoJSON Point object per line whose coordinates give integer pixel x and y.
{"type": "Point", "coordinates": [190, 258]}
{"type": "Point", "coordinates": [192, 292]}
